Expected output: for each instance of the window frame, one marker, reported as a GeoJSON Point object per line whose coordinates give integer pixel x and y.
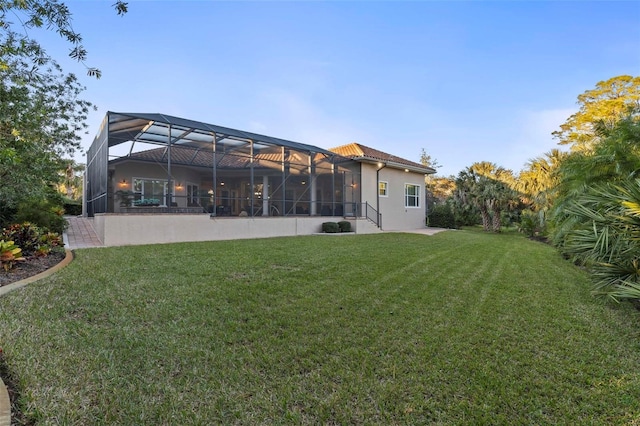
{"type": "Point", "coordinates": [386, 188]}
{"type": "Point", "coordinates": [139, 195]}
{"type": "Point", "coordinates": [415, 196]}
{"type": "Point", "coordinates": [192, 193]}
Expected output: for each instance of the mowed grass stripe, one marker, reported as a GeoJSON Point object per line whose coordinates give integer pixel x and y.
{"type": "Point", "coordinates": [457, 328]}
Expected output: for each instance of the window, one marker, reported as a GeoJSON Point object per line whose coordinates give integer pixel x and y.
{"type": "Point", "coordinates": [411, 195]}
{"type": "Point", "coordinates": [146, 189]}
{"type": "Point", "coordinates": [382, 188]}
{"type": "Point", "coordinates": [192, 194]}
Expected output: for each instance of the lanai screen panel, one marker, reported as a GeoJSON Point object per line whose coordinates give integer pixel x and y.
{"type": "Point", "coordinates": [97, 173]}
{"type": "Point", "coordinates": [229, 170]}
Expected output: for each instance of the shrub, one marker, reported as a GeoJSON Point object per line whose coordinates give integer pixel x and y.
{"type": "Point", "coordinates": [345, 226]}
{"type": "Point", "coordinates": [49, 242]}
{"type": "Point", "coordinates": [531, 224]}
{"type": "Point", "coordinates": [32, 239]}
{"type": "Point", "coordinates": [9, 254]}
{"type": "Point", "coordinates": [25, 235]}
{"type": "Point", "coordinates": [441, 216]}
{"type": "Point", "coordinates": [72, 208]}
{"type": "Point", "coordinates": [330, 227]}
{"type": "Point", "coordinates": [7, 215]}
{"type": "Point", "coordinates": [43, 213]}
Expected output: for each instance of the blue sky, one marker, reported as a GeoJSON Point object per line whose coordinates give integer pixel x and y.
{"type": "Point", "coordinates": [466, 81]}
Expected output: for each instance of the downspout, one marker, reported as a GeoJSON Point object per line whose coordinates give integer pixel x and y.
{"type": "Point", "coordinates": [378, 192]}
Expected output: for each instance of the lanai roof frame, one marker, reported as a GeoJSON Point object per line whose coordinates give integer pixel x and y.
{"type": "Point", "coordinates": [168, 131]}
{"type": "Point", "coordinates": [154, 129]}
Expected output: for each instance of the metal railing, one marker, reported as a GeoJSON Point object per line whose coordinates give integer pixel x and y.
{"type": "Point", "coordinates": [373, 215]}
{"type": "Point", "coordinates": [364, 210]}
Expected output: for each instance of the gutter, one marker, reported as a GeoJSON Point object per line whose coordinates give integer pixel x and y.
{"type": "Point", "coordinates": [424, 170]}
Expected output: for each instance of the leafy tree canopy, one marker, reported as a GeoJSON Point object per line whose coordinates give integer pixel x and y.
{"type": "Point", "coordinates": [536, 182]}
{"type": "Point", "coordinates": [441, 188]}
{"type": "Point", "coordinates": [41, 112]}
{"type": "Point", "coordinates": [603, 106]}
{"type": "Point", "coordinates": [614, 162]}
{"type": "Point", "coordinates": [428, 160]}
{"type": "Point", "coordinates": [50, 14]}
{"type": "Point", "coordinates": [486, 187]}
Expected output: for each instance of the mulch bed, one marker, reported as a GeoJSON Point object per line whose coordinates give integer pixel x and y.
{"type": "Point", "coordinates": [30, 267]}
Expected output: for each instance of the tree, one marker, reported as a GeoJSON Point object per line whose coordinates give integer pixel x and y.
{"type": "Point", "coordinates": [487, 188]}
{"type": "Point", "coordinates": [71, 182]}
{"type": "Point", "coordinates": [427, 160]}
{"type": "Point", "coordinates": [39, 121]}
{"type": "Point", "coordinates": [536, 186]}
{"type": "Point", "coordinates": [604, 237]}
{"type": "Point", "coordinates": [615, 160]}
{"type": "Point", "coordinates": [603, 106]}
{"type": "Point", "coordinates": [50, 14]}
{"type": "Point", "coordinates": [41, 111]}
{"type": "Point", "coordinates": [537, 181]}
{"type": "Point", "coordinates": [468, 196]}
{"type": "Point", "coordinates": [441, 188]}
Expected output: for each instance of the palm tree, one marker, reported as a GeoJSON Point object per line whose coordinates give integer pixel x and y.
{"type": "Point", "coordinates": [615, 159]}
{"type": "Point", "coordinates": [596, 217]}
{"type": "Point", "coordinates": [486, 187]}
{"type": "Point", "coordinates": [71, 179]}
{"type": "Point", "coordinates": [537, 182]}
{"type": "Point", "coordinates": [605, 237]}
{"type": "Point", "coordinates": [537, 185]}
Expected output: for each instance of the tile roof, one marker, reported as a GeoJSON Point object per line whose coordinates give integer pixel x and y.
{"type": "Point", "coordinates": [204, 158]}
{"type": "Point", "coordinates": [357, 151]}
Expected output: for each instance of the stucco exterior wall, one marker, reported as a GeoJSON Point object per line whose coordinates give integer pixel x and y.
{"type": "Point", "coordinates": [130, 170]}
{"type": "Point", "coordinates": [395, 215]}
{"type": "Point", "coordinates": [136, 229]}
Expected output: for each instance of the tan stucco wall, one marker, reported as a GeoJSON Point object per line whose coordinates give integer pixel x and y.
{"type": "Point", "coordinates": [135, 229]}
{"type": "Point", "coordinates": [395, 216]}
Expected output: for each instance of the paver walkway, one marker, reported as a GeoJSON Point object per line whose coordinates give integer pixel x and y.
{"type": "Point", "coordinates": [80, 234]}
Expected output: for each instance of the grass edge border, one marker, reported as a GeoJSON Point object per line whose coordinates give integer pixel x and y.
{"type": "Point", "coordinates": [5, 405]}
{"type": "Point", "coordinates": [18, 284]}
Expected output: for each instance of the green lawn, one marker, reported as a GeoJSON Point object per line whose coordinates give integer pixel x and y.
{"type": "Point", "coordinates": [456, 328]}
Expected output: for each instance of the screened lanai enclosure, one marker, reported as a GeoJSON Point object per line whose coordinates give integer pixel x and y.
{"type": "Point", "coordinates": [155, 163]}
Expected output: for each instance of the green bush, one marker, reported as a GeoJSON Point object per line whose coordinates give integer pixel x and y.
{"type": "Point", "coordinates": [330, 227]}
{"type": "Point", "coordinates": [42, 213]}
{"type": "Point", "coordinates": [345, 226]}
{"type": "Point", "coordinates": [24, 235]}
{"type": "Point", "coordinates": [72, 209]}
{"type": "Point", "coordinates": [9, 254]}
{"type": "Point", "coordinates": [7, 215]}
{"type": "Point", "coordinates": [33, 241]}
{"type": "Point", "coordinates": [531, 224]}
{"type": "Point", "coordinates": [441, 216]}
